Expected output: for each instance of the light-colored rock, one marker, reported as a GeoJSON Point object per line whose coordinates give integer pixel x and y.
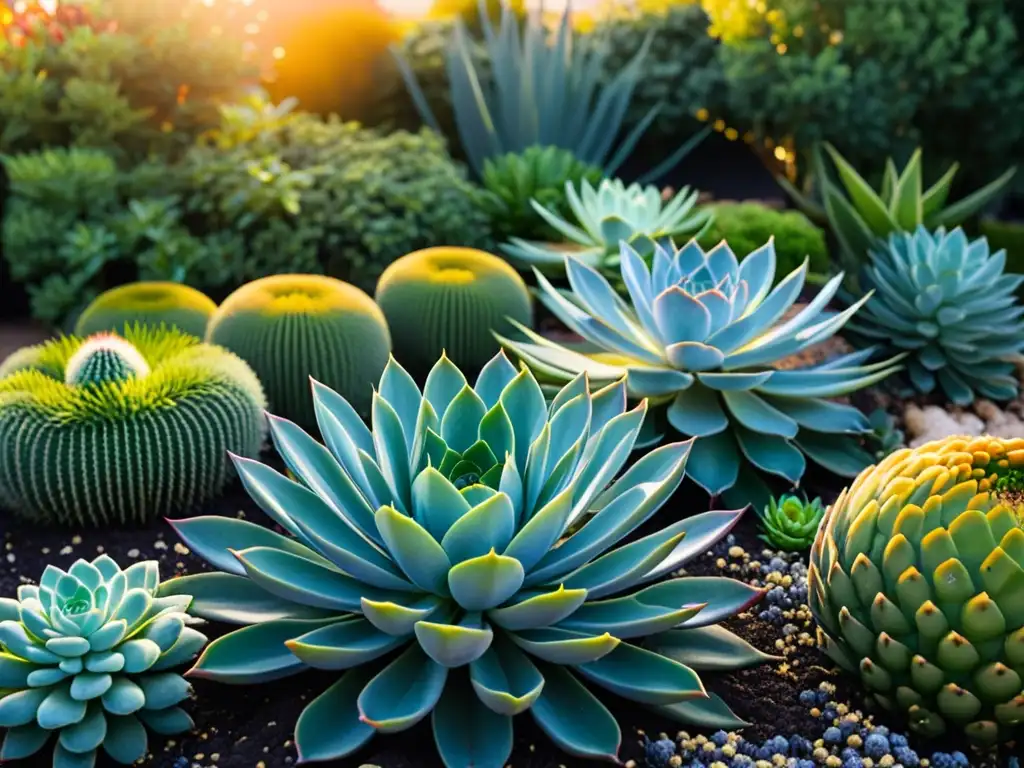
{"type": "Point", "coordinates": [984, 418]}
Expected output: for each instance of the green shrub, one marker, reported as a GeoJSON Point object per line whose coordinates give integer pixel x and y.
{"type": "Point", "coordinates": [148, 303]}
{"type": "Point", "coordinates": [747, 226]}
{"type": "Point", "coordinates": [293, 327]}
{"type": "Point", "coordinates": [115, 75]}
{"type": "Point", "coordinates": [270, 192]}
{"type": "Point", "coordinates": [681, 71]}
{"type": "Point", "coordinates": [449, 300]}
{"type": "Point", "coordinates": [537, 173]}
{"type": "Point", "coordinates": [112, 430]}
{"type": "Point", "coordinates": [877, 80]}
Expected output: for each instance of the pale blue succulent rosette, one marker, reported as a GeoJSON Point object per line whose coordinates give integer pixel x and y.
{"type": "Point", "coordinates": [86, 657]}
{"type": "Point", "coordinates": [700, 335]}
{"type": "Point", "coordinates": [950, 304]}
{"type": "Point", "coordinates": [461, 559]}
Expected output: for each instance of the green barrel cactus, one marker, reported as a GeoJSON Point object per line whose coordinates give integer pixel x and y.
{"type": "Point", "coordinates": [448, 300]}
{"type": "Point", "coordinates": [947, 302]}
{"type": "Point", "coordinates": [86, 657]}
{"type": "Point", "coordinates": [790, 522]}
{"type": "Point", "coordinates": [112, 430]}
{"type": "Point", "coordinates": [462, 559]}
{"type": "Point", "coordinates": [916, 580]}
{"type": "Point", "coordinates": [148, 303]}
{"type": "Point", "coordinates": [293, 327]}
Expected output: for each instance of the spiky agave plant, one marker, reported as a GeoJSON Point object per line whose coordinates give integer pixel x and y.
{"type": "Point", "coordinates": [472, 532]}
{"type": "Point", "coordinates": [701, 337]}
{"type": "Point", "coordinates": [607, 215]}
{"type": "Point", "coordinates": [86, 656]}
{"type": "Point", "coordinates": [916, 580]}
{"type": "Point", "coordinates": [110, 430]}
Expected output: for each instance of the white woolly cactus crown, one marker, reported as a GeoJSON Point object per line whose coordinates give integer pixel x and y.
{"type": "Point", "coordinates": [105, 357]}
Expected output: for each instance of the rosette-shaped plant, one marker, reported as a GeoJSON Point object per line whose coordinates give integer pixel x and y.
{"type": "Point", "coordinates": [916, 581]}
{"type": "Point", "coordinates": [948, 302]}
{"type": "Point", "coordinates": [148, 303]}
{"type": "Point", "coordinates": [701, 337]}
{"type": "Point", "coordinates": [112, 430]}
{"type": "Point", "coordinates": [449, 300]}
{"type": "Point", "coordinates": [607, 215]}
{"type": "Point", "coordinates": [790, 522]}
{"type": "Point", "coordinates": [460, 561]}
{"type": "Point", "coordinates": [292, 327]}
{"type": "Point", "coordinates": [86, 656]}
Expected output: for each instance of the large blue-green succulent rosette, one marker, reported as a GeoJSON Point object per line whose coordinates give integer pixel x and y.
{"type": "Point", "coordinates": [703, 336]}
{"type": "Point", "coordinates": [463, 559]}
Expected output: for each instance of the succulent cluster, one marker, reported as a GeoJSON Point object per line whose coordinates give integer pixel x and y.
{"type": "Point", "coordinates": [291, 327]}
{"type": "Point", "coordinates": [947, 302]}
{"type": "Point", "coordinates": [122, 430]}
{"type": "Point", "coordinates": [790, 522]}
{"type": "Point", "coordinates": [147, 303]}
{"type": "Point", "coordinates": [86, 656]}
{"type": "Point", "coordinates": [701, 336]}
{"type": "Point", "coordinates": [473, 531]}
{"type": "Point", "coordinates": [449, 300]}
{"type": "Point", "coordinates": [916, 578]}
{"type": "Point", "coordinates": [606, 216]}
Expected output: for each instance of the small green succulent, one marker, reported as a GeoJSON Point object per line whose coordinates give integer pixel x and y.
{"type": "Point", "coordinates": [86, 656]}
{"type": "Point", "coordinates": [701, 336]}
{"type": "Point", "coordinates": [947, 301]}
{"type": "Point", "coordinates": [606, 216]}
{"type": "Point", "coordinates": [916, 580]}
{"type": "Point", "coordinates": [536, 173]}
{"type": "Point", "coordinates": [462, 561]}
{"type": "Point", "coordinates": [790, 522]}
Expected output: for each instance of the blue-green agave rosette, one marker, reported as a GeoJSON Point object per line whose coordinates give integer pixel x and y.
{"type": "Point", "coordinates": [700, 336]}
{"type": "Point", "coordinates": [459, 560]}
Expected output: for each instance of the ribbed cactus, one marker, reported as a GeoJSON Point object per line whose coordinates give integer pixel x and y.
{"type": "Point", "coordinates": [293, 327]}
{"type": "Point", "coordinates": [449, 300]}
{"type": "Point", "coordinates": [148, 303]}
{"type": "Point", "coordinates": [114, 430]}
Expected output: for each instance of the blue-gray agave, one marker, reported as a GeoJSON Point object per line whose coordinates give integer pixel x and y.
{"type": "Point", "coordinates": [701, 336]}
{"type": "Point", "coordinates": [459, 560]}
{"type": "Point", "coordinates": [949, 302]}
{"type": "Point", "coordinates": [85, 655]}
{"type": "Point", "coordinates": [607, 216]}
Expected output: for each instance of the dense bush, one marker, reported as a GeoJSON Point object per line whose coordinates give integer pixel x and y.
{"type": "Point", "coordinates": [108, 74]}
{"type": "Point", "coordinates": [269, 192]}
{"type": "Point", "coordinates": [878, 81]}
{"type": "Point", "coordinates": [747, 226]}
{"type": "Point", "coordinates": [681, 71]}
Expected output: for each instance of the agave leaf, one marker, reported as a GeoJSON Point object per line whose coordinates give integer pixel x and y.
{"type": "Point", "coordinates": [455, 645]}
{"type": "Point", "coordinates": [702, 531]}
{"type": "Point", "coordinates": [538, 610]}
{"type": "Point", "coordinates": [234, 599]}
{"type": "Point", "coordinates": [403, 693]}
{"type": "Point", "coordinates": [497, 374]}
{"type": "Point", "coordinates": [167, 722]}
{"type": "Point", "coordinates": [255, 654]}
{"type": "Point", "coordinates": [644, 676]}
{"type": "Point", "coordinates": [486, 581]}
{"type": "Point", "coordinates": [772, 454]}
{"type": "Point", "coordinates": [488, 526]}
{"type": "Point", "coordinates": [854, 237]}
{"type": "Point", "coordinates": [907, 206]}
{"type": "Point", "coordinates": [936, 195]}
{"type": "Point", "coordinates": [975, 202]}
{"type": "Point", "coordinates": [505, 679]}
{"type": "Point", "coordinates": [712, 649]}
{"type": "Point", "coordinates": [330, 728]}
{"type": "Point", "coordinates": [126, 739]}
{"type": "Point", "coordinates": [212, 538]}
{"type": "Point", "coordinates": [704, 713]}
{"type": "Point", "coordinates": [574, 719]}
{"type": "Point", "coordinates": [436, 503]}
{"type": "Point", "coordinates": [415, 550]}
{"type": "Point", "coordinates": [622, 567]}
{"type": "Point", "coordinates": [23, 741]}
{"type": "Point", "coordinates": [466, 733]}
{"type": "Point", "coordinates": [714, 462]}
{"type": "Point", "coordinates": [349, 643]}
{"type": "Point", "coordinates": [842, 456]}
{"type": "Point", "coordinates": [869, 205]}
{"type": "Point", "coordinates": [562, 646]}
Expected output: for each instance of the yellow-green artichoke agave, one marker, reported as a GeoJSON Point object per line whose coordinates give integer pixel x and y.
{"type": "Point", "coordinates": [917, 581]}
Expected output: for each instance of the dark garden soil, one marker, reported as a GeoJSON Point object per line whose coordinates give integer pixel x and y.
{"type": "Point", "coordinates": [252, 726]}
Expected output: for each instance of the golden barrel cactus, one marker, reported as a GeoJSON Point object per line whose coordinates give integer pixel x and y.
{"type": "Point", "coordinates": [917, 582]}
